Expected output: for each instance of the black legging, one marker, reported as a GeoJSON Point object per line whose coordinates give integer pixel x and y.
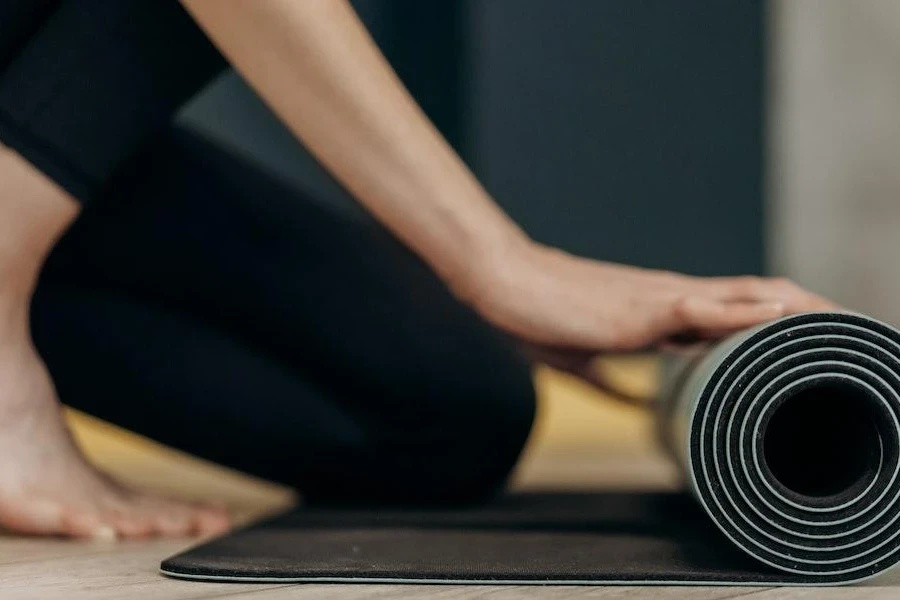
{"type": "Point", "coordinates": [207, 305]}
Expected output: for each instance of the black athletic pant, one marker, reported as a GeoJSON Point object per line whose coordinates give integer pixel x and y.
{"type": "Point", "coordinates": [207, 305]}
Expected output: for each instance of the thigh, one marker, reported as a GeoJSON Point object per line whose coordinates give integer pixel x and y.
{"type": "Point", "coordinates": [441, 398]}
{"type": "Point", "coordinates": [83, 83]}
{"type": "Point", "coordinates": [19, 19]}
{"type": "Point", "coordinates": [184, 383]}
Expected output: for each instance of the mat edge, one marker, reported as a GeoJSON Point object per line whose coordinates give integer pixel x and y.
{"type": "Point", "coordinates": [529, 582]}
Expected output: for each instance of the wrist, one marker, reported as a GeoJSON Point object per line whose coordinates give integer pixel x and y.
{"type": "Point", "coordinates": [487, 263]}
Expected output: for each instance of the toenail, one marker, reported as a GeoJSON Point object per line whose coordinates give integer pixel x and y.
{"type": "Point", "coordinates": [104, 533]}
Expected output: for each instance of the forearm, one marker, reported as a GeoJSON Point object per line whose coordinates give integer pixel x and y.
{"type": "Point", "coordinates": [317, 68]}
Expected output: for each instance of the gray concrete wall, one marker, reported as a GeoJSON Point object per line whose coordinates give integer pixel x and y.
{"type": "Point", "coordinates": [835, 149]}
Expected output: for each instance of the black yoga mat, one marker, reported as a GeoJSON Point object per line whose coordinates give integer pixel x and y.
{"type": "Point", "coordinates": [528, 538]}
{"type": "Point", "coordinates": [789, 438]}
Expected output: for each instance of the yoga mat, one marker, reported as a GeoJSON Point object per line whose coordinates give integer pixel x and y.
{"type": "Point", "coordinates": [789, 439]}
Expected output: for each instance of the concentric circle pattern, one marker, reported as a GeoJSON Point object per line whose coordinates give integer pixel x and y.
{"type": "Point", "coordinates": [794, 445]}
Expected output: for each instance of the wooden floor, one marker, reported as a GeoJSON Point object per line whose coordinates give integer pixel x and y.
{"type": "Point", "coordinates": [581, 440]}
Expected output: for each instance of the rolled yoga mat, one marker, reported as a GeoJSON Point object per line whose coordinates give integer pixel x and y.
{"type": "Point", "coordinates": [788, 435]}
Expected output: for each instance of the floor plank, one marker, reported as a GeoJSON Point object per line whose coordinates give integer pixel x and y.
{"type": "Point", "coordinates": [836, 593]}
{"type": "Point", "coordinates": [476, 592]}
{"type": "Point", "coordinates": [100, 571]}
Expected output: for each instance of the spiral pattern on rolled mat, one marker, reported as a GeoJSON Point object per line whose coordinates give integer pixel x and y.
{"type": "Point", "coordinates": [794, 444]}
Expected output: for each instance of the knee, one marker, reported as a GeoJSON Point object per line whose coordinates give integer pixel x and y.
{"type": "Point", "coordinates": [476, 444]}
{"type": "Point", "coordinates": [497, 419]}
{"type": "Point", "coordinates": [461, 455]}
{"type": "Point", "coordinates": [494, 442]}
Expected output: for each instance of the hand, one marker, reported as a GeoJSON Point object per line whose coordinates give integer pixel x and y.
{"type": "Point", "coordinates": [567, 309]}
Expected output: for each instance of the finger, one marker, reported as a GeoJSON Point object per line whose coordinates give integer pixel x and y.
{"type": "Point", "coordinates": [811, 303]}
{"type": "Point", "coordinates": [583, 364]}
{"type": "Point", "coordinates": [692, 338]}
{"type": "Point", "coordinates": [712, 335]}
{"type": "Point", "coordinates": [754, 289]}
{"type": "Point", "coordinates": [676, 345]}
{"type": "Point", "coordinates": [702, 314]}
{"type": "Point", "coordinates": [599, 380]}
{"type": "Point", "coordinates": [744, 288]}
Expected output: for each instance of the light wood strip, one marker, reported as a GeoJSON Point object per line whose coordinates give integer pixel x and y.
{"type": "Point", "coordinates": [475, 592]}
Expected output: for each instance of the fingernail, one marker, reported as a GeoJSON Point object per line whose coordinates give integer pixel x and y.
{"type": "Point", "coordinates": [777, 307]}
{"type": "Point", "coordinates": [773, 307]}
{"type": "Point", "coordinates": [104, 533]}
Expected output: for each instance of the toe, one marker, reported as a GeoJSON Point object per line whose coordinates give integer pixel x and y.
{"type": "Point", "coordinates": [180, 518]}
{"type": "Point", "coordinates": [127, 518]}
{"type": "Point", "coordinates": [31, 517]}
{"type": "Point", "coordinates": [210, 520]}
{"type": "Point", "coordinates": [44, 517]}
{"type": "Point", "coordinates": [172, 520]}
{"type": "Point", "coordinates": [133, 525]}
{"type": "Point", "coordinates": [86, 525]}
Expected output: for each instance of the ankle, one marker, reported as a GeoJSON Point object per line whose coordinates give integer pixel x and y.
{"type": "Point", "coordinates": [34, 213]}
{"type": "Point", "coordinates": [14, 319]}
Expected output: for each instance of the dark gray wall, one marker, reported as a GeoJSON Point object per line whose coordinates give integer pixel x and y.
{"type": "Point", "coordinates": [620, 129]}
{"type": "Point", "coordinates": [627, 130]}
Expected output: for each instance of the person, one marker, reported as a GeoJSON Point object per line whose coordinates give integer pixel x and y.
{"type": "Point", "coordinates": [201, 302]}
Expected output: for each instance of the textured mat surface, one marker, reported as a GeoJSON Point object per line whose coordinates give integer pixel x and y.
{"type": "Point", "coordinates": [529, 538]}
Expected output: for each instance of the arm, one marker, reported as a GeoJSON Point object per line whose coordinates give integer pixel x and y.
{"type": "Point", "coordinates": [317, 68]}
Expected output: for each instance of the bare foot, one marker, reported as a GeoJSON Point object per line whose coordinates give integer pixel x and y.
{"type": "Point", "coordinates": [46, 485]}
